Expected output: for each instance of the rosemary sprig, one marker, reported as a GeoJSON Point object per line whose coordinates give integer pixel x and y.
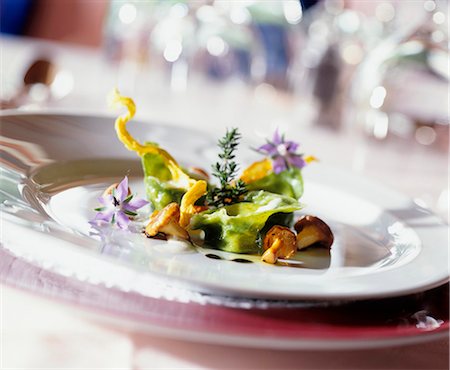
{"type": "Point", "coordinates": [230, 190]}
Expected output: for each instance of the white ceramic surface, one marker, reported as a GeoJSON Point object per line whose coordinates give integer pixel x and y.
{"type": "Point", "coordinates": [56, 166]}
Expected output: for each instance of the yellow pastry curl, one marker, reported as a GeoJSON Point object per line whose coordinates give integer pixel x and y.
{"type": "Point", "coordinates": [196, 189]}
{"type": "Point", "coordinates": [187, 206]}
{"type": "Point", "coordinates": [117, 100]}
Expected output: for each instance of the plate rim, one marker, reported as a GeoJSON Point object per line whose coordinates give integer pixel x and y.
{"type": "Point", "coordinates": [283, 295]}
{"type": "Point", "coordinates": [93, 306]}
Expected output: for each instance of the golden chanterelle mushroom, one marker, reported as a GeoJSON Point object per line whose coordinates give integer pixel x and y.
{"type": "Point", "coordinates": [312, 230]}
{"type": "Point", "coordinates": [166, 221]}
{"type": "Point", "coordinates": [279, 242]}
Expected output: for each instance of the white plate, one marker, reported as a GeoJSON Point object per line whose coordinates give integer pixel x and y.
{"type": "Point", "coordinates": [56, 166]}
{"type": "Point", "coordinates": [385, 322]}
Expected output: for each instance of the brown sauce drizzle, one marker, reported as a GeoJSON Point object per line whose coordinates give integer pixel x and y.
{"type": "Point", "coordinates": [217, 257]}
{"type": "Point", "coordinates": [322, 264]}
{"type": "Point", "coordinates": [213, 256]}
{"type": "Point", "coordinates": [241, 260]}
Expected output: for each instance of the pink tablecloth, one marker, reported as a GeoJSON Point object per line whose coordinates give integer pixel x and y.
{"type": "Point", "coordinates": [37, 333]}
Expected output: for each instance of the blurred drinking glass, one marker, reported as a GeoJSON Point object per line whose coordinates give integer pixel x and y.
{"type": "Point", "coordinates": [401, 88]}
{"type": "Point", "coordinates": [248, 41]}
{"type": "Point", "coordinates": [399, 98]}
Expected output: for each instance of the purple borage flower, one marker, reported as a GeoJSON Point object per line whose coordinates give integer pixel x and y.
{"type": "Point", "coordinates": [118, 207]}
{"type": "Point", "coordinates": [282, 152]}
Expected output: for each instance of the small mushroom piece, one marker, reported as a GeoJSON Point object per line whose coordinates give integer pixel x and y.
{"type": "Point", "coordinates": [312, 230]}
{"type": "Point", "coordinates": [198, 173]}
{"type": "Point", "coordinates": [166, 221]}
{"type": "Point", "coordinates": [279, 242]}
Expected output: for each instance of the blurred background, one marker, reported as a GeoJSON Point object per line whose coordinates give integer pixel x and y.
{"type": "Point", "coordinates": [362, 84]}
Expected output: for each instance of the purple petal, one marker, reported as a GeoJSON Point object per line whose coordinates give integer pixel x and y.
{"type": "Point", "coordinates": [106, 200]}
{"type": "Point", "coordinates": [134, 204]}
{"type": "Point", "coordinates": [296, 161]}
{"type": "Point", "coordinates": [97, 224]}
{"type": "Point", "coordinates": [291, 146]}
{"type": "Point", "coordinates": [279, 165]}
{"type": "Point", "coordinates": [122, 190]}
{"type": "Point", "coordinates": [268, 149]}
{"type": "Point", "coordinates": [104, 216]}
{"type": "Point", "coordinates": [276, 139]}
{"type": "Point", "coordinates": [122, 220]}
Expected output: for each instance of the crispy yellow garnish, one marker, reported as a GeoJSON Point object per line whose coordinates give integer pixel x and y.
{"type": "Point", "coordinates": [310, 158]}
{"type": "Point", "coordinates": [187, 207]}
{"type": "Point", "coordinates": [257, 171]}
{"type": "Point", "coordinates": [117, 100]}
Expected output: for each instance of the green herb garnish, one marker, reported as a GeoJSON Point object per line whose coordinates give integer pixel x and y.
{"type": "Point", "coordinates": [230, 190]}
